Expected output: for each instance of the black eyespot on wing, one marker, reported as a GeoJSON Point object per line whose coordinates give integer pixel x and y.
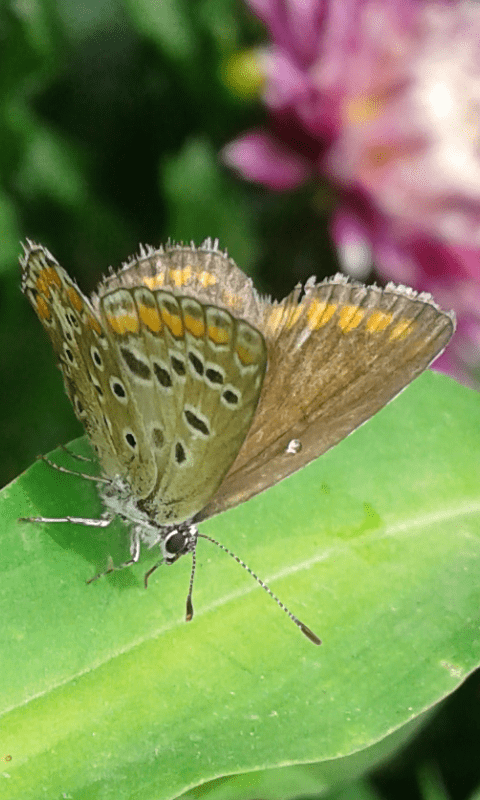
{"type": "Point", "coordinates": [196, 423]}
{"type": "Point", "coordinates": [180, 454]}
{"type": "Point", "coordinates": [196, 363]}
{"type": "Point", "coordinates": [118, 390]}
{"type": "Point", "coordinates": [230, 397]}
{"type": "Point", "coordinates": [96, 357]}
{"type": "Point", "coordinates": [135, 364]}
{"type": "Point", "coordinates": [213, 375]}
{"type": "Point", "coordinates": [130, 439]}
{"type": "Point", "coordinates": [158, 437]}
{"type": "Point", "coordinates": [178, 365]}
{"type": "Point", "coordinates": [72, 320]}
{"type": "Point", "coordinates": [162, 375]}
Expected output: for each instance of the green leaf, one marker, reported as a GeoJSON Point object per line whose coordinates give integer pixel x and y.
{"type": "Point", "coordinates": [107, 693]}
{"type": "Point", "coordinates": [309, 780]}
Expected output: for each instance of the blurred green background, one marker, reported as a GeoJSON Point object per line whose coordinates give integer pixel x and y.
{"type": "Point", "coordinates": [113, 115]}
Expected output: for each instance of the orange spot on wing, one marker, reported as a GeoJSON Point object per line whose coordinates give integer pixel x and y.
{"type": "Point", "coordinates": [154, 281]}
{"type": "Point", "coordinates": [123, 323]}
{"type": "Point", "coordinates": [150, 317]}
{"type": "Point", "coordinates": [282, 318]}
{"type": "Point", "coordinates": [75, 300]}
{"type": "Point", "coordinates": [246, 356]}
{"type": "Point", "coordinates": [179, 277]}
{"type": "Point", "coordinates": [218, 335]}
{"type": "Point", "coordinates": [94, 324]}
{"type": "Point", "coordinates": [319, 313]}
{"type": "Point", "coordinates": [206, 279]}
{"type": "Point", "coordinates": [173, 322]}
{"type": "Point", "coordinates": [350, 317]}
{"type": "Point", "coordinates": [42, 308]}
{"type": "Point", "coordinates": [46, 278]}
{"type": "Point", "coordinates": [402, 329]}
{"type": "Point", "coordinates": [378, 321]}
{"type": "Point", "coordinates": [194, 325]}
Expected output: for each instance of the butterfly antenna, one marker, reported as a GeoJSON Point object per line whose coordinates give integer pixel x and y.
{"type": "Point", "coordinates": [189, 612]}
{"type": "Point", "coordinates": [305, 630]}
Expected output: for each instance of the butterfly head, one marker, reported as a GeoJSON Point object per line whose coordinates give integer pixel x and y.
{"type": "Point", "coordinates": [178, 542]}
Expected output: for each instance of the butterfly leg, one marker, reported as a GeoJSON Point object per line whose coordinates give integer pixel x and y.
{"type": "Point", "coordinates": [76, 455]}
{"type": "Point", "coordinates": [150, 572]}
{"type": "Point", "coordinates": [134, 552]}
{"type": "Point", "coordinates": [66, 471]}
{"type": "Point", "coordinates": [91, 523]}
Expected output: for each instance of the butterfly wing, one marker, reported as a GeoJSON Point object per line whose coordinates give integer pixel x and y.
{"type": "Point", "coordinates": [177, 324]}
{"type": "Point", "coordinates": [194, 374]}
{"type": "Point", "coordinates": [162, 375]}
{"type": "Point", "coordinates": [90, 374]}
{"type": "Point", "coordinates": [189, 319]}
{"type": "Point", "coordinates": [335, 358]}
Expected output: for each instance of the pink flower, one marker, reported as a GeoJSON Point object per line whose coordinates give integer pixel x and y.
{"type": "Point", "coordinates": [382, 98]}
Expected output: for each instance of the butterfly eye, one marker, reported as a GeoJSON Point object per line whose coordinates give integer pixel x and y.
{"type": "Point", "coordinates": [174, 546]}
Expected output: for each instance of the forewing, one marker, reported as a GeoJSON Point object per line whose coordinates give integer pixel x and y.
{"type": "Point", "coordinates": [195, 373]}
{"type": "Point", "coordinates": [335, 358]}
{"type": "Point", "coordinates": [90, 374]}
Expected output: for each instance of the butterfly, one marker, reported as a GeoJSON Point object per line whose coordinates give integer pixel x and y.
{"type": "Point", "coordinates": [197, 393]}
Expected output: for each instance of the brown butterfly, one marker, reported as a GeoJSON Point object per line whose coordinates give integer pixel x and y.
{"type": "Point", "coordinates": [197, 393]}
